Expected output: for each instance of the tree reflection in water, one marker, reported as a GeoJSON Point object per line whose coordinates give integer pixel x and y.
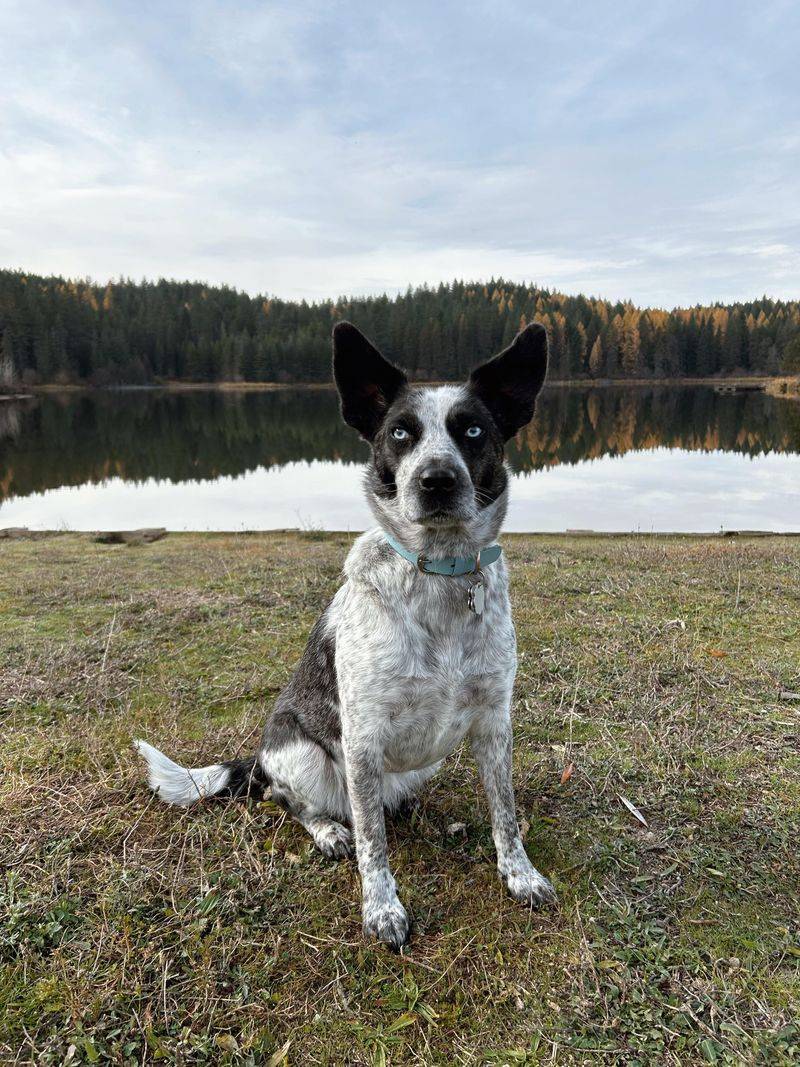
{"type": "Point", "coordinates": [72, 439]}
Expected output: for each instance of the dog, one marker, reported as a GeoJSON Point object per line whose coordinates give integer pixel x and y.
{"type": "Point", "coordinates": [417, 649]}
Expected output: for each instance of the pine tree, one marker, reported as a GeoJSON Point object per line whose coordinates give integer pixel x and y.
{"type": "Point", "coordinates": [596, 358]}
{"type": "Point", "coordinates": [8, 369]}
{"type": "Point", "coordinates": [790, 361]}
{"type": "Point", "coordinates": [629, 344]}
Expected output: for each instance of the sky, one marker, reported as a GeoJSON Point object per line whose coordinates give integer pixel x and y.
{"type": "Point", "coordinates": [633, 151]}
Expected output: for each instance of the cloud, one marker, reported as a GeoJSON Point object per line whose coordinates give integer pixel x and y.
{"type": "Point", "coordinates": [311, 150]}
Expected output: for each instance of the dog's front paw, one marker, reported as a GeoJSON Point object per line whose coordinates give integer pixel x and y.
{"type": "Point", "coordinates": [388, 922]}
{"type": "Point", "coordinates": [525, 884]}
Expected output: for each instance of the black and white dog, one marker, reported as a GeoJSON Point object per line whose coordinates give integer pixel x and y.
{"type": "Point", "coordinates": [417, 648]}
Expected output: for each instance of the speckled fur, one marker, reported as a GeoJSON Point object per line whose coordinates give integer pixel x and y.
{"type": "Point", "coordinates": [398, 671]}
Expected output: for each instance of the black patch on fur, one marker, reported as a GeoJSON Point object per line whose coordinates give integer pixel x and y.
{"type": "Point", "coordinates": [387, 451]}
{"type": "Point", "coordinates": [482, 455]}
{"type": "Point", "coordinates": [308, 706]}
{"type": "Point", "coordinates": [509, 384]}
{"type": "Point", "coordinates": [247, 780]}
{"type": "Point", "coordinates": [367, 383]}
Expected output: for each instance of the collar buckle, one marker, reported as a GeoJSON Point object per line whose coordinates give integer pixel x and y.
{"type": "Point", "coordinates": [421, 561]}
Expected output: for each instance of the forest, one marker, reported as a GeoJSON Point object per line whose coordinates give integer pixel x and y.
{"type": "Point", "coordinates": [55, 330]}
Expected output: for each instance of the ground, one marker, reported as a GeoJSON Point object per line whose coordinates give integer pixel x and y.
{"type": "Point", "coordinates": [661, 670]}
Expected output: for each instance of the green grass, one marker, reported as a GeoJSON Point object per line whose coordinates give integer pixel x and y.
{"type": "Point", "coordinates": [131, 932]}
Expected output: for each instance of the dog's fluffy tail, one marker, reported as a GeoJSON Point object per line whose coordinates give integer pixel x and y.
{"type": "Point", "coordinates": [184, 785]}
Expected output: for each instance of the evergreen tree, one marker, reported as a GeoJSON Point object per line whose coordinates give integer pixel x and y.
{"type": "Point", "coordinates": [8, 368]}
{"type": "Point", "coordinates": [596, 358]}
{"type": "Point", "coordinates": [790, 363]}
{"type": "Point", "coordinates": [64, 331]}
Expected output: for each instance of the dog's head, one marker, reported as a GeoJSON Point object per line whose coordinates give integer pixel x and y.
{"type": "Point", "coordinates": [437, 453]}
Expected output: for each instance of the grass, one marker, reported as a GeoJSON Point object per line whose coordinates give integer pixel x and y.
{"type": "Point", "coordinates": [657, 669]}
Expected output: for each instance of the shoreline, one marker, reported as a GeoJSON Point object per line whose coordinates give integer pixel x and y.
{"type": "Point", "coordinates": [24, 533]}
{"type": "Point", "coordinates": [781, 386]}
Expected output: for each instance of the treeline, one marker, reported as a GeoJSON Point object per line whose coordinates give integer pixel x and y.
{"type": "Point", "coordinates": [57, 330]}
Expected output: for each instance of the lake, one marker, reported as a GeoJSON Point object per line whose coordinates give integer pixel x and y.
{"type": "Point", "coordinates": [619, 458]}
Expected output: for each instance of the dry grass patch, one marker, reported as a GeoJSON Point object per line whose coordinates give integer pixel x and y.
{"type": "Point", "coordinates": [655, 668]}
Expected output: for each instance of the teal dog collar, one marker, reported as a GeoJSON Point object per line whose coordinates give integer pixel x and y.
{"type": "Point", "coordinates": [452, 566]}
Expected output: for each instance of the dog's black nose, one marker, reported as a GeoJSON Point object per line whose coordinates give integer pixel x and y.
{"type": "Point", "coordinates": [438, 478]}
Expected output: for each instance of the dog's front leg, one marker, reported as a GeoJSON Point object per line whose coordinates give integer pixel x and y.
{"type": "Point", "coordinates": [492, 747]}
{"type": "Point", "coordinates": [384, 916]}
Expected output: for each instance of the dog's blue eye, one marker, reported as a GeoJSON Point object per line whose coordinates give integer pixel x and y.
{"type": "Point", "coordinates": [474, 431]}
{"type": "Point", "coordinates": [399, 434]}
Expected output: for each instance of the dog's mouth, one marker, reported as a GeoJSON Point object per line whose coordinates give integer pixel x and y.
{"type": "Point", "coordinates": [441, 517]}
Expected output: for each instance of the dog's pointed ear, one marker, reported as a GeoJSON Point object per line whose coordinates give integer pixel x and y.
{"type": "Point", "coordinates": [367, 382]}
{"type": "Point", "coordinates": [509, 384]}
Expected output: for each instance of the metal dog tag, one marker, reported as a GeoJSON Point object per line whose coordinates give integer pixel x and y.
{"type": "Point", "coordinates": [476, 597]}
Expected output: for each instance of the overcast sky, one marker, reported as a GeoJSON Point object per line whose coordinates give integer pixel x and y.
{"type": "Point", "coordinates": [649, 151]}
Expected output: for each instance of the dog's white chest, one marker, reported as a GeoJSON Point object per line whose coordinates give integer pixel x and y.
{"type": "Point", "coordinates": [415, 665]}
{"type": "Point", "coordinates": [429, 716]}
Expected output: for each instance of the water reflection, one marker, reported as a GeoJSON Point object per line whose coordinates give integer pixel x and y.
{"type": "Point", "coordinates": [259, 460]}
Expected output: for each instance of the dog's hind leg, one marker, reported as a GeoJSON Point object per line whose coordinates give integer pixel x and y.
{"type": "Point", "coordinates": [307, 782]}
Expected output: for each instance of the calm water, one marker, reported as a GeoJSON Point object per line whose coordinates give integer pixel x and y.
{"type": "Point", "coordinates": [605, 459]}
